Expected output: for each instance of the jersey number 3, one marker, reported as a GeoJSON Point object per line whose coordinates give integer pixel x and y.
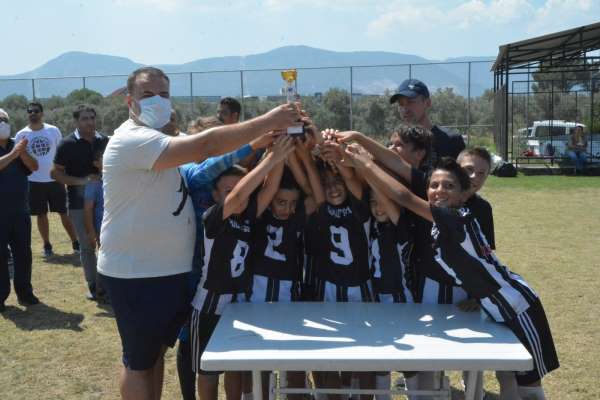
{"type": "Point", "coordinates": [275, 237]}
{"type": "Point", "coordinates": [239, 256]}
{"type": "Point", "coordinates": [342, 254]}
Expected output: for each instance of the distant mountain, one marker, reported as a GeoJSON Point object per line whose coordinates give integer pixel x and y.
{"type": "Point", "coordinates": [319, 70]}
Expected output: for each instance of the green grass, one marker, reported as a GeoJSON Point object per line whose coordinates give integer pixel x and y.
{"type": "Point", "coordinates": [547, 229]}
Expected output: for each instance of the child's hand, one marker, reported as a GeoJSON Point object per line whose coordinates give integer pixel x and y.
{"type": "Point", "coordinates": [469, 305]}
{"type": "Point", "coordinates": [357, 155]}
{"type": "Point", "coordinates": [328, 134]}
{"type": "Point", "coordinates": [282, 147]}
{"type": "Point", "coordinates": [347, 136]}
{"type": "Point", "coordinates": [264, 141]}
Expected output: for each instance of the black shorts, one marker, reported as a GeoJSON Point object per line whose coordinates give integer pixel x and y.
{"type": "Point", "coordinates": [44, 195]}
{"type": "Point", "coordinates": [150, 313]}
{"type": "Point", "coordinates": [202, 328]}
{"type": "Point", "coordinates": [532, 329]}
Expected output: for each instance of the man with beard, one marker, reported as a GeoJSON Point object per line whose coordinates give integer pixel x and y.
{"type": "Point", "coordinates": [414, 103]}
{"type": "Point", "coordinates": [74, 167]}
{"type": "Point", "coordinates": [45, 192]}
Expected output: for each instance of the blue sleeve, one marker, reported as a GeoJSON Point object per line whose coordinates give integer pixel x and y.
{"type": "Point", "coordinates": [208, 170]}
{"type": "Point", "coordinates": [91, 189]}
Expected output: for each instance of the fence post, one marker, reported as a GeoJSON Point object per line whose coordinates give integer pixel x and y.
{"type": "Point", "coordinates": [469, 105]}
{"type": "Point", "coordinates": [191, 94]}
{"type": "Point", "coordinates": [351, 95]}
{"type": "Point", "coordinates": [33, 89]}
{"type": "Point", "coordinates": [83, 81]}
{"type": "Point", "coordinates": [409, 71]}
{"type": "Point", "coordinates": [242, 94]}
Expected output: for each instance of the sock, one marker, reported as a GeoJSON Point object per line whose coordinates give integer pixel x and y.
{"type": "Point", "coordinates": [531, 393]}
{"type": "Point", "coordinates": [508, 385]}
{"type": "Point", "coordinates": [383, 382]}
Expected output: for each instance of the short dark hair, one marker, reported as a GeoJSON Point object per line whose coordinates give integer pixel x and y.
{"type": "Point", "coordinates": [232, 104]}
{"type": "Point", "coordinates": [141, 71]}
{"type": "Point", "coordinates": [480, 152]}
{"type": "Point", "coordinates": [203, 123]}
{"type": "Point", "coordinates": [35, 104]}
{"type": "Point", "coordinates": [83, 108]}
{"type": "Point", "coordinates": [288, 182]}
{"type": "Point", "coordinates": [449, 164]}
{"type": "Point", "coordinates": [418, 136]}
{"type": "Point", "coordinates": [234, 170]}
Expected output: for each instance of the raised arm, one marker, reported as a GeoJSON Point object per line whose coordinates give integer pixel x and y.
{"type": "Point", "coordinates": [391, 209]}
{"type": "Point", "coordinates": [382, 154]}
{"type": "Point", "coordinates": [269, 188]}
{"type": "Point", "coordinates": [386, 184]}
{"type": "Point", "coordinates": [238, 197]}
{"type": "Point", "coordinates": [333, 152]}
{"type": "Point", "coordinates": [19, 151]}
{"type": "Point", "coordinates": [223, 139]}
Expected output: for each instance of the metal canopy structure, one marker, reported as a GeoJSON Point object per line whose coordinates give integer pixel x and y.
{"type": "Point", "coordinates": [569, 51]}
{"type": "Point", "coordinates": [551, 51]}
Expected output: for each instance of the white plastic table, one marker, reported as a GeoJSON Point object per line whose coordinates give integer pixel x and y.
{"type": "Point", "coordinates": [360, 337]}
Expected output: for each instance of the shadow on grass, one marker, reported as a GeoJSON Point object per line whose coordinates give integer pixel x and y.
{"type": "Point", "coordinates": [43, 317]}
{"type": "Point", "coordinates": [72, 259]}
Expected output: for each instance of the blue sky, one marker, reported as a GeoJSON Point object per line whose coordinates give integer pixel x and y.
{"type": "Point", "coordinates": [177, 31]}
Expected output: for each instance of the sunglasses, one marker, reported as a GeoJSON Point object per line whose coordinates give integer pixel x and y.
{"type": "Point", "coordinates": [33, 111]}
{"type": "Point", "coordinates": [3, 119]}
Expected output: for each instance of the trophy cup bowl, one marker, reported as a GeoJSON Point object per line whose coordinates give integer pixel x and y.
{"type": "Point", "coordinates": [290, 76]}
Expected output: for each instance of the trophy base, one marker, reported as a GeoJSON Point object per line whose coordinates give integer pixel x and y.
{"type": "Point", "coordinates": [296, 130]}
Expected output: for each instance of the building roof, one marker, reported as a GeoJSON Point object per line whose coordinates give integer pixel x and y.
{"type": "Point", "coordinates": [555, 47]}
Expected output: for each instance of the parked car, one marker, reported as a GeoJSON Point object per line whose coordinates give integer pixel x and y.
{"type": "Point", "coordinates": [550, 138]}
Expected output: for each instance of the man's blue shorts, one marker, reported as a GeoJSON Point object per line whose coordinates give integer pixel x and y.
{"type": "Point", "coordinates": [149, 313]}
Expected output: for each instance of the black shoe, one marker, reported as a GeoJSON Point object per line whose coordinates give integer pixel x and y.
{"type": "Point", "coordinates": [29, 300]}
{"type": "Point", "coordinates": [48, 250]}
{"type": "Point", "coordinates": [2, 307]}
{"type": "Point", "coordinates": [76, 248]}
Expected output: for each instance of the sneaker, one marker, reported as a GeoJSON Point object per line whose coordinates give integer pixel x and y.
{"type": "Point", "coordinates": [29, 300]}
{"type": "Point", "coordinates": [48, 250]}
{"type": "Point", "coordinates": [76, 247]}
{"type": "Point", "coordinates": [2, 307]}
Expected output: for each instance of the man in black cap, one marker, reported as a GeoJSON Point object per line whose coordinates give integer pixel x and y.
{"type": "Point", "coordinates": [413, 103]}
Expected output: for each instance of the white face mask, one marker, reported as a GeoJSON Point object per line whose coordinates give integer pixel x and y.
{"type": "Point", "coordinates": [155, 111]}
{"type": "Point", "coordinates": [4, 130]}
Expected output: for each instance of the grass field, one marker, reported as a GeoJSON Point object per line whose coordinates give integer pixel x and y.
{"type": "Point", "coordinates": [547, 229]}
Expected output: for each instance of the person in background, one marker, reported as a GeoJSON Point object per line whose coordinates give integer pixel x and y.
{"type": "Point", "coordinates": [576, 149]}
{"type": "Point", "coordinates": [45, 192]}
{"type": "Point", "coordinates": [15, 230]}
{"type": "Point", "coordinates": [172, 128]}
{"type": "Point", "coordinates": [229, 111]}
{"type": "Point", "coordinates": [414, 103]}
{"type": "Point", "coordinates": [74, 166]}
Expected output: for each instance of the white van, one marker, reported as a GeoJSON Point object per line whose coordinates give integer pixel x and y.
{"type": "Point", "coordinates": [549, 138]}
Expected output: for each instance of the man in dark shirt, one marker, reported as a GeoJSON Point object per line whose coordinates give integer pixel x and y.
{"type": "Point", "coordinates": [15, 230]}
{"type": "Point", "coordinates": [414, 103]}
{"type": "Point", "coordinates": [74, 167]}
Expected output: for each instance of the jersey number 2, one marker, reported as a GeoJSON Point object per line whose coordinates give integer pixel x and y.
{"type": "Point", "coordinates": [275, 237]}
{"type": "Point", "coordinates": [239, 256]}
{"type": "Point", "coordinates": [342, 253]}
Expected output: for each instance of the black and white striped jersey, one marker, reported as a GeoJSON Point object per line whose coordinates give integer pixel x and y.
{"type": "Point", "coordinates": [226, 248]}
{"type": "Point", "coordinates": [462, 252]}
{"type": "Point", "coordinates": [482, 212]}
{"type": "Point", "coordinates": [390, 247]}
{"type": "Point", "coordinates": [277, 245]}
{"type": "Point", "coordinates": [338, 243]}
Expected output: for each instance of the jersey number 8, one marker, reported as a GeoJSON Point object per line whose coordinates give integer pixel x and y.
{"type": "Point", "coordinates": [239, 256]}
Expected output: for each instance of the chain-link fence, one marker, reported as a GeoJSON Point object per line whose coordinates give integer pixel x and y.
{"type": "Point", "coordinates": [353, 97]}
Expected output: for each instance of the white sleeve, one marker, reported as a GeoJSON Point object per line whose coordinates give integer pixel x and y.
{"type": "Point", "coordinates": [19, 136]}
{"type": "Point", "coordinates": [140, 148]}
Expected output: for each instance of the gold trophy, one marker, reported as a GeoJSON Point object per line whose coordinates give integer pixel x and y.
{"type": "Point", "coordinates": [290, 76]}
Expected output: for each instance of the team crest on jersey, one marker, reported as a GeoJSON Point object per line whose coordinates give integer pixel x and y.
{"type": "Point", "coordinates": [339, 212]}
{"type": "Point", "coordinates": [235, 225]}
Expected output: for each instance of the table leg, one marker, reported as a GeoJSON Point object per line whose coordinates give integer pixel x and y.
{"type": "Point", "coordinates": [471, 385]}
{"type": "Point", "coordinates": [256, 385]}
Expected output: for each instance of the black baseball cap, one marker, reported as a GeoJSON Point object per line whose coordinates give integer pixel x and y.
{"type": "Point", "coordinates": [410, 88]}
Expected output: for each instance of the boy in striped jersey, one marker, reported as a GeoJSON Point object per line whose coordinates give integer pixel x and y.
{"type": "Point", "coordinates": [463, 253]}
{"type": "Point", "coordinates": [225, 279]}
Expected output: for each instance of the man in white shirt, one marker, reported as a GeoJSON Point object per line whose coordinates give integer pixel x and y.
{"type": "Point", "coordinates": [148, 230]}
{"type": "Point", "coordinates": [44, 192]}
